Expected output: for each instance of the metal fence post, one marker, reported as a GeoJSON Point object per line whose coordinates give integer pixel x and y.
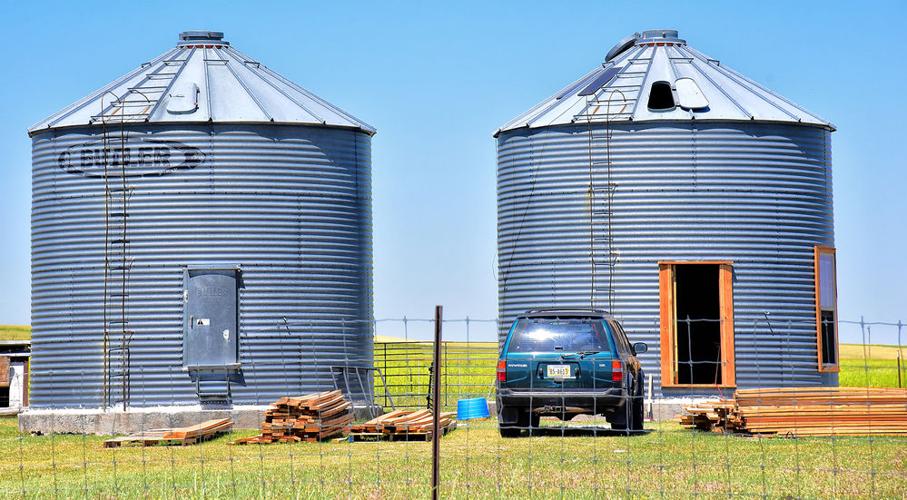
{"type": "Point", "coordinates": [436, 408]}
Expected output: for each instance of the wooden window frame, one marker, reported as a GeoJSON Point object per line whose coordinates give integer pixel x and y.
{"type": "Point", "coordinates": [835, 367]}
{"type": "Point", "coordinates": [667, 323]}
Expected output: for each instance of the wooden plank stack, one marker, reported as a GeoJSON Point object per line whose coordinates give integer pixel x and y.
{"type": "Point", "coordinates": [804, 411]}
{"type": "Point", "coordinates": [176, 436]}
{"type": "Point", "coordinates": [403, 425]}
{"type": "Point", "coordinates": [308, 418]}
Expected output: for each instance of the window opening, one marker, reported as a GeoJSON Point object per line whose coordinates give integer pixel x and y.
{"type": "Point", "coordinates": [661, 97]}
{"type": "Point", "coordinates": [826, 309]}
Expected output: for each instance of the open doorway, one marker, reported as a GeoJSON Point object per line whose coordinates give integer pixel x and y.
{"type": "Point", "coordinates": [697, 324]}
{"type": "Point", "coordinates": [698, 328]}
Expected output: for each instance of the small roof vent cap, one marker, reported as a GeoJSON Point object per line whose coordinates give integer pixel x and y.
{"type": "Point", "coordinates": [660, 36]}
{"type": "Point", "coordinates": [193, 37]}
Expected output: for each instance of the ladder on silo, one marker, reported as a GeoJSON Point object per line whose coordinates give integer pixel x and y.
{"type": "Point", "coordinates": [141, 100]}
{"type": "Point", "coordinates": [619, 98]}
{"type": "Point", "coordinates": [601, 195]}
{"type": "Point", "coordinates": [117, 262]}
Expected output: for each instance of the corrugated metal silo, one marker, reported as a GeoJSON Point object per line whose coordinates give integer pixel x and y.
{"type": "Point", "coordinates": [201, 232]}
{"type": "Point", "coordinates": [662, 176]}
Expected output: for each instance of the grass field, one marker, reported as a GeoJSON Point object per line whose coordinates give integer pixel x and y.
{"type": "Point", "coordinates": [15, 332]}
{"type": "Point", "coordinates": [667, 461]}
{"type": "Point", "coordinates": [476, 462]}
{"type": "Point", "coordinates": [873, 366]}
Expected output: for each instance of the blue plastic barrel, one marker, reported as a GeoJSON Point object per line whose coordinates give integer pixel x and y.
{"type": "Point", "coordinates": [472, 408]}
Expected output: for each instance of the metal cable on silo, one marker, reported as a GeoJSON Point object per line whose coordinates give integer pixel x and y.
{"type": "Point", "coordinates": [505, 275]}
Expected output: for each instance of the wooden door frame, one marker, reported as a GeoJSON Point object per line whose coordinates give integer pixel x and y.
{"type": "Point", "coordinates": [667, 320]}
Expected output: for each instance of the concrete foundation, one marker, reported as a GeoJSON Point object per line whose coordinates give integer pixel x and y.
{"type": "Point", "coordinates": [109, 422]}
{"type": "Point", "coordinates": [667, 409]}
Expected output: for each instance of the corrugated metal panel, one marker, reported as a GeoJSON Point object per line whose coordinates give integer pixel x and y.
{"type": "Point", "coordinates": [755, 193]}
{"type": "Point", "coordinates": [661, 56]}
{"type": "Point", "coordinates": [291, 205]}
{"type": "Point", "coordinates": [230, 87]}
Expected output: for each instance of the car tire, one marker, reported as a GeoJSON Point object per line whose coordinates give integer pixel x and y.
{"type": "Point", "coordinates": [508, 431]}
{"type": "Point", "coordinates": [620, 419]}
{"type": "Point", "coordinates": [620, 422]}
{"type": "Point", "coordinates": [512, 421]}
{"type": "Point", "coordinates": [637, 416]}
{"type": "Point", "coordinates": [534, 420]}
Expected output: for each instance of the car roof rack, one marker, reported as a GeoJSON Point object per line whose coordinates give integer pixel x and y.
{"type": "Point", "coordinates": [567, 311]}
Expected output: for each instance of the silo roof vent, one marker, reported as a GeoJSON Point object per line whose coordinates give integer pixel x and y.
{"type": "Point", "coordinates": [655, 75]}
{"type": "Point", "coordinates": [660, 36]}
{"type": "Point", "coordinates": [202, 37]}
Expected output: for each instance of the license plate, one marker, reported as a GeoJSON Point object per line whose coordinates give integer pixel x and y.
{"type": "Point", "coordinates": [558, 371]}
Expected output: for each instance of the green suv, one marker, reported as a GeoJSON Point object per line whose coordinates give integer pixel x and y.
{"type": "Point", "coordinates": [568, 362]}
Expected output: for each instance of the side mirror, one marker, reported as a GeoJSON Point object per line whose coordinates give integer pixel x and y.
{"type": "Point", "coordinates": [640, 347]}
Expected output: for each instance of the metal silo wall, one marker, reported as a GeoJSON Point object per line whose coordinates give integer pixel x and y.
{"type": "Point", "coordinates": [758, 194]}
{"type": "Point", "coordinates": [291, 205]}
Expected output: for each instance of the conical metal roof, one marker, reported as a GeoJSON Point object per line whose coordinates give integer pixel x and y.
{"type": "Point", "coordinates": [656, 76]}
{"type": "Point", "coordinates": [203, 79]}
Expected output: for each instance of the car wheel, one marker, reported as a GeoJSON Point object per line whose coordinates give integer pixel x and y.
{"type": "Point", "coordinates": [618, 425]}
{"type": "Point", "coordinates": [637, 416]}
{"type": "Point", "coordinates": [625, 419]}
{"type": "Point", "coordinates": [511, 421]}
{"type": "Point", "coordinates": [534, 420]}
{"type": "Point", "coordinates": [508, 431]}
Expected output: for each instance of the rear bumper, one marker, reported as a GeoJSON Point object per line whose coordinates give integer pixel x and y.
{"type": "Point", "coordinates": [594, 401]}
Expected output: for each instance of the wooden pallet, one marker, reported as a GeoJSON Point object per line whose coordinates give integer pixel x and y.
{"type": "Point", "coordinates": [804, 411]}
{"type": "Point", "coordinates": [179, 436]}
{"type": "Point", "coordinates": [310, 418]}
{"type": "Point", "coordinates": [403, 425]}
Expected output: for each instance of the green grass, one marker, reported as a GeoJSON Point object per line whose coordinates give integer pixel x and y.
{"type": "Point", "coordinates": [469, 371]}
{"type": "Point", "coordinates": [874, 366]}
{"type": "Point", "coordinates": [476, 462]}
{"type": "Point", "coordinates": [15, 332]}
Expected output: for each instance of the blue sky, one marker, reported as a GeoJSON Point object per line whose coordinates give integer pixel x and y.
{"type": "Point", "coordinates": [437, 79]}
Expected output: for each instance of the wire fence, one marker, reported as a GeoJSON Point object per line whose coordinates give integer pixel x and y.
{"type": "Point", "coordinates": [563, 450]}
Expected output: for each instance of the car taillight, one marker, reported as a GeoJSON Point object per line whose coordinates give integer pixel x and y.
{"type": "Point", "coordinates": [617, 370]}
{"type": "Point", "coordinates": [502, 370]}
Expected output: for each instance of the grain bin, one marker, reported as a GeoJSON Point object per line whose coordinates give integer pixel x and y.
{"type": "Point", "coordinates": [691, 202]}
{"type": "Point", "coordinates": [201, 234]}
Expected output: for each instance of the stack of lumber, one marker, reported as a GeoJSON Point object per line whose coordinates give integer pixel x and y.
{"type": "Point", "coordinates": [308, 418]}
{"type": "Point", "coordinates": [708, 415]}
{"type": "Point", "coordinates": [804, 411]}
{"type": "Point", "coordinates": [406, 425]}
{"type": "Point", "coordinates": [175, 436]}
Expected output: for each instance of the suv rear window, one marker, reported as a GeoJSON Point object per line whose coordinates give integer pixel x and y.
{"type": "Point", "coordinates": [559, 334]}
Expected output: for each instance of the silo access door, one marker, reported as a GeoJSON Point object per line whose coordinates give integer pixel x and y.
{"type": "Point", "coordinates": [210, 319]}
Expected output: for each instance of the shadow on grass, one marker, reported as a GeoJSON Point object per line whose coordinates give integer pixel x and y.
{"type": "Point", "coordinates": [580, 431]}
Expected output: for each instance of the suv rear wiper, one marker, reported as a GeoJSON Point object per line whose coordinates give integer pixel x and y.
{"type": "Point", "coordinates": [587, 353]}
